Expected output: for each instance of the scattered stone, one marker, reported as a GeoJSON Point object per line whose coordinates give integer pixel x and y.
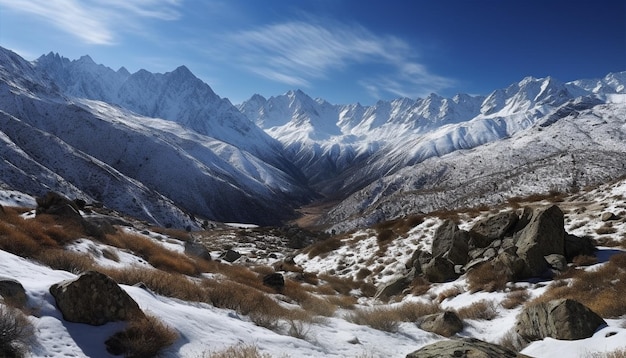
{"type": "Point", "coordinates": [198, 250]}
{"type": "Point", "coordinates": [608, 216]}
{"type": "Point", "coordinates": [12, 292]}
{"type": "Point", "coordinates": [274, 280]}
{"type": "Point", "coordinates": [56, 204]}
{"type": "Point", "coordinates": [556, 262]}
{"type": "Point", "coordinates": [94, 298]}
{"type": "Point", "coordinates": [230, 255]}
{"type": "Point", "coordinates": [395, 287]}
{"type": "Point", "coordinates": [464, 348]}
{"type": "Point", "coordinates": [451, 243]}
{"type": "Point", "coordinates": [418, 259]}
{"type": "Point", "coordinates": [444, 324]}
{"type": "Point", "coordinates": [559, 319]}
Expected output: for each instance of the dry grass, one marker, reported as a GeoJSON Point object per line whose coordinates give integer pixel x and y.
{"type": "Point", "coordinates": [618, 353]}
{"type": "Point", "coordinates": [16, 332]}
{"type": "Point", "coordinates": [59, 259]}
{"type": "Point", "coordinates": [142, 338]}
{"type": "Point", "coordinates": [450, 293]}
{"type": "Point", "coordinates": [485, 277]}
{"type": "Point", "coordinates": [324, 247]}
{"type": "Point", "coordinates": [238, 351]}
{"type": "Point", "coordinates": [513, 341]}
{"type": "Point", "coordinates": [606, 229]}
{"type": "Point", "coordinates": [388, 319]}
{"type": "Point", "coordinates": [515, 299]}
{"type": "Point", "coordinates": [584, 260]}
{"type": "Point", "coordinates": [481, 310]}
{"type": "Point", "coordinates": [157, 255]}
{"type": "Point", "coordinates": [601, 289]}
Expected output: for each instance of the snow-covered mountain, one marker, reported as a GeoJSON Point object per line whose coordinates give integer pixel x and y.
{"type": "Point", "coordinates": [155, 169]}
{"type": "Point", "coordinates": [264, 158]}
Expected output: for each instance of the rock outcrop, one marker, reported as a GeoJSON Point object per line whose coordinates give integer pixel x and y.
{"type": "Point", "coordinates": [464, 348]}
{"type": "Point", "coordinates": [94, 298]}
{"type": "Point", "coordinates": [444, 324]}
{"type": "Point", "coordinates": [12, 292]}
{"type": "Point", "coordinates": [560, 319]}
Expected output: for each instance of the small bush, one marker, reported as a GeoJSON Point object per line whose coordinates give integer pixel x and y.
{"type": "Point", "coordinates": [238, 351]}
{"type": "Point", "coordinates": [515, 299]}
{"type": "Point", "coordinates": [413, 311]}
{"type": "Point", "coordinates": [449, 293]}
{"type": "Point", "coordinates": [606, 229]}
{"type": "Point", "coordinates": [485, 277]}
{"type": "Point", "coordinates": [377, 318]}
{"type": "Point", "coordinates": [584, 260]}
{"type": "Point", "coordinates": [142, 338]}
{"type": "Point", "coordinates": [482, 310]}
{"type": "Point", "coordinates": [513, 341]}
{"type": "Point", "coordinates": [324, 246]}
{"type": "Point", "coordinates": [618, 353]}
{"type": "Point", "coordinates": [16, 332]}
{"type": "Point", "coordinates": [69, 261]}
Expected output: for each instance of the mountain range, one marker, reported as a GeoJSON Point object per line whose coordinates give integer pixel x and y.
{"type": "Point", "coordinates": [166, 148]}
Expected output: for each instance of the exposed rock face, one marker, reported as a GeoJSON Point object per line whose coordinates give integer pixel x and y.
{"type": "Point", "coordinates": [451, 243]}
{"type": "Point", "coordinates": [230, 256]}
{"type": "Point", "coordinates": [198, 250]}
{"type": "Point", "coordinates": [444, 324]}
{"type": "Point", "coordinates": [544, 235]}
{"type": "Point", "coordinates": [560, 319]}
{"type": "Point", "coordinates": [56, 204]}
{"type": "Point", "coordinates": [464, 348]}
{"type": "Point", "coordinates": [576, 246]}
{"type": "Point", "coordinates": [492, 228]}
{"type": "Point", "coordinates": [439, 269]}
{"type": "Point", "coordinates": [95, 299]}
{"type": "Point", "coordinates": [12, 292]}
{"type": "Point", "coordinates": [396, 286]}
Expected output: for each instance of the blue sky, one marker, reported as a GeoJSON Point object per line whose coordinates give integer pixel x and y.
{"type": "Point", "coordinates": [342, 51]}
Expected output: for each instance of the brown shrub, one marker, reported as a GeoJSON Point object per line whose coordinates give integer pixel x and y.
{"type": "Point", "coordinates": [584, 260]}
{"type": "Point", "coordinates": [16, 332]}
{"type": "Point", "coordinates": [515, 299]}
{"type": "Point", "coordinates": [345, 302]}
{"type": "Point", "coordinates": [513, 341]}
{"type": "Point", "coordinates": [58, 259]}
{"type": "Point", "coordinates": [413, 311]}
{"type": "Point", "coordinates": [485, 277]}
{"type": "Point", "coordinates": [419, 286]}
{"type": "Point", "coordinates": [482, 310]}
{"type": "Point", "coordinates": [606, 229]}
{"type": "Point", "coordinates": [160, 282]}
{"type": "Point", "coordinates": [324, 246]}
{"type": "Point", "coordinates": [238, 351]}
{"type": "Point", "coordinates": [145, 337]}
{"type": "Point", "coordinates": [377, 318]}
{"type": "Point", "coordinates": [450, 293]}
{"type": "Point", "coordinates": [618, 353]}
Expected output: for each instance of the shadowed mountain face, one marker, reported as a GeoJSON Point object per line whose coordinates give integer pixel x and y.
{"type": "Point", "coordinates": [170, 137]}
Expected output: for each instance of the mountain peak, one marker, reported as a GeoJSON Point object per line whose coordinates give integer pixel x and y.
{"type": "Point", "coordinates": [86, 59]}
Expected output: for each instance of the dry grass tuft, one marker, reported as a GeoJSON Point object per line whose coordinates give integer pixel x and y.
{"type": "Point", "coordinates": [70, 261]}
{"type": "Point", "coordinates": [602, 289]}
{"type": "Point", "coordinates": [146, 337]}
{"type": "Point", "coordinates": [513, 341]}
{"type": "Point", "coordinates": [324, 247]}
{"type": "Point", "coordinates": [238, 351]}
{"type": "Point", "coordinates": [515, 299]}
{"type": "Point", "coordinates": [584, 260]}
{"type": "Point", "coordinates": [16, 332]}
{"type": "Point", "coordinates": [450, 293]}
{"type": "Point", "coordinates": [481, 310]}
{"type": "Point", "coordinates": [485, 277]}
{"type": "Point", "coordinates": [618, 353]}
{"type": "Point", "coordinates": [388, 318]}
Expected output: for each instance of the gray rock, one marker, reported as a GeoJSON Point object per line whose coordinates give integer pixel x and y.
{"type": "Point", "coordinates": [274, 280]}
{"type": "Point", "coordinates": [556, 261]}
{"type": "Point", "coordinates": [444, 324]}
{"type": "Point", "coordinates": [396, 286]}
{"type": "Point", "coordinates": [419, 258]}
{"type": "Point", "coordinates": [510, 263]}
{"type": "Point", "coordinates": [230, 255]}
{"type": "Point", "coordinates": [577, 246]}
{"type": "Point", "coordinates": [464, 348]}
{"type": "Point", "coordinates": [492, 228]}
{"type": "Point", "coordinates": [12, 292]}
{"type": "Point", "coordinates": [544, 235]}
{"type": "Point", "coordinates": [439, 269]}
{"type": "Point", "coordinates": [560, 319]}
{"type": "Point", "coordinates": [451, 243]}
{"type": "Point", "coordinates": [198, 250]}
{"type": "Point", "coordinates": [94, 298]}
{"type": "Point", "coordinates": [608, 216]}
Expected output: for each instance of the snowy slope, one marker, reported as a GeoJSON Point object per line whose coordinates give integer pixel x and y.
{"type": "Point", "coordinates": [132, 163]}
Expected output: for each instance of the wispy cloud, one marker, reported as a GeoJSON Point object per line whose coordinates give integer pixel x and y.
{"type": "Point", "coordinates": [298, 52]}
{"type": "Point", "coordinates": [95, 21]}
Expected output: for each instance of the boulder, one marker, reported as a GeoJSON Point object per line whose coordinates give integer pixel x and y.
{"type": "Point", "coordinates": [12, 292]}
{"type": "Point", "coordinates": [94, 298]}
{"type": "Point", "coordinates": [444, 324]}
{"type": "Point", "coordinates": [418, 259]}
{"type": "Point", "coordinates": [230, 256]}
{"type": "Point", "coordinates": [198, 250]}
{"type": "Point", "coordinates": [439, 269]}
{"type": "Point", "coordinates": [577, 246]}
{"type": "Point", "coordinates": [564, 319]}
{"type": "Point", "coordinates": [274, 280]}
{"type": "Point", "coordinates": [556, 262]}
{"type": "Point", "coordinates": [396, 286]}
{"type": "Point", "coordinates": [492, 228]}
{"type": "Point", "coordinates": [451, 243]}
{"type": "Point", "coordinates": [608, 216]}
{"type": "Point", "coordinates": [544, 235]}
{"type": "Point", "coordinates": [510, 264]}
{"type": "Point", "coordinates": [464, 348]}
